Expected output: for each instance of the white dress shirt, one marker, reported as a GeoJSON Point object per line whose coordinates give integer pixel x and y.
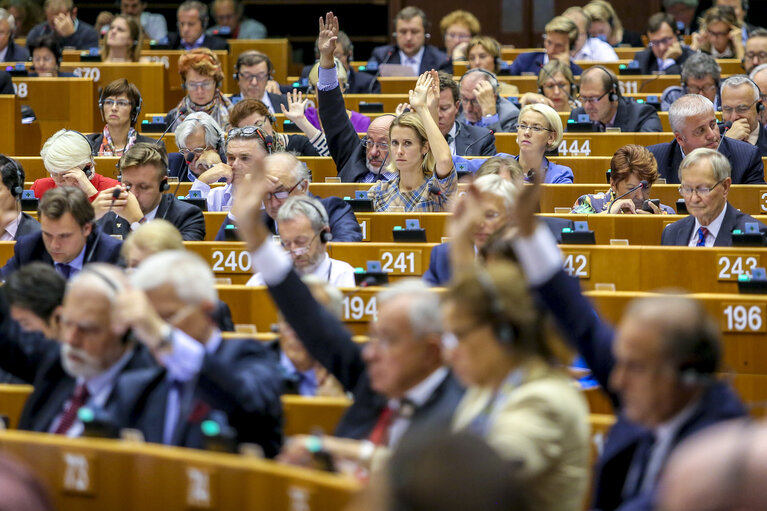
{"type": "Point", "coordinates": [713, 230]}
{"type": "Point", "coordinates": [417, 396]}
{"type": "Point", "coordinates": [596, 50]}
{"type": "Point", "coordinates": [333, 271]}
{"type": "Point", "coordinates": [414, 61]}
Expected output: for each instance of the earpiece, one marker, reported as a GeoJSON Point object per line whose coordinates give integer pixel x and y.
{"type": "Point", "coordinates": [135, 111]}
{"type": "Point", "coordinates": [504, 330]}
{"type": "Point", "coordinates": [615, 91]}
{"type": "Point", "coordinates": [266, 139]}
{"type": "Point", "coordinates": [88, 169]}
{"type": "Point", "coordinates": [17, 187]}
{"type": "Point", "coordinates": [325, 234]}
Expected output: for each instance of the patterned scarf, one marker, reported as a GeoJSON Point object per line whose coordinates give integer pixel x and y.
{"type": "Point", "coordinates": [280, 141]}
{"type": "Point", "coordinates": [218, 108]}
{"type": "Point", "coordinates": [108, 148]}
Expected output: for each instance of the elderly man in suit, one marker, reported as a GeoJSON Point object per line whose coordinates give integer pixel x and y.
{"type": "Point", "coordinates": [200, 376]}
{"type": "Point", "coordinates": [253, 70]}
{"type": "Point", "coordinates": [142, 197]}
{"type": "Point", "coordinates": [411, 30]}
{"type": "Point", "coordinates": [482, 106]}
{"type": "Point", "coordinates": [705, 182]}
{"type": "Point", "coordinates": [693, 122]}
{"type": "Point", "coordinates": [464, 139]}
{"type": "Point", "coordinates": [742, 106]}
{"type": "Point", "coordinates": [81, 367]}
{"type": "Point", "coordinates": [602, 101]}
{"type": "Point", "coordinates": [67, 239]}
{"type": "Point", "coordinates": [658, 367]}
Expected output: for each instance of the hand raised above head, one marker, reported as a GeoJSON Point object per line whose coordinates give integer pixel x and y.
{"type": "Point", "coordinates": [326, 42]}
{"type": "Point", "coordinates": [419, 95]}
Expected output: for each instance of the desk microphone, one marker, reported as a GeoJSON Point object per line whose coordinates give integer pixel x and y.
{"type": "Point", "coordinates": [546, 72]}
{"type": "Point", "coordinates": [723, 127]}
{"type": "Point", "coordinates": [642, 184]}
{"type": "Point", "coordinates": [435, 190]}
{"type": "Point", "coordinates": [378, 71]}
{"type": "Point", "coordinates": [480, 139]}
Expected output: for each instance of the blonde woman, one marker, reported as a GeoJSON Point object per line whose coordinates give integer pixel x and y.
{"type": "Point", "coordinates": [123, 40]}
{"type": "Point", "coordinates": [540, 130]}
{"type": "Point", "coordinates": [720, 34]}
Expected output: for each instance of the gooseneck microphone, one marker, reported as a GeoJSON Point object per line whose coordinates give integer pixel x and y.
{"type": "Point", "coordinates": [170, 125]}
{"type": "Point", "coordinates": [642, 184]}
{"type": "Point", "coordinates": [480, 139]}
{"type": "Point", "coordinates": [546, 72]}
{"type": "Point", "coordinates": [378, 71]}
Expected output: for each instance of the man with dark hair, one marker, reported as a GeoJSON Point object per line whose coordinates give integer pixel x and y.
{"type": "Point", "coordinates": [62, 22]}
{"type": "Point", "coordinates": [142, 197]}
{"type": "Point", "coordinates": [192, 16]}
{"type": "Point", "coordinates": [14, 223]}
{"type": "Point", "coordinates": [756, 50]}
{"type": "Point", "coordinates": [67, 240]}
{"type": "Point", "coordinates": [357, 82]}
{"type": "Point", "coordinates": [664, 54]}
{"type": "Point", "coordinates": [253, 70]}
{"type": "Point", "coordinates": [464, 139]}
{"type": "Point", "coordinates": [35, 293]}
{"type": "Point", "coordinates": [411, 30]}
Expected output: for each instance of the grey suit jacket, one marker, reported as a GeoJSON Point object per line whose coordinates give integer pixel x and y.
{"type": "Point", "coordinates": [680, 232]}
{"type": "Point", "coordinates": [508, 114]}
{"type": "Point", "coordinates": [473, 140]}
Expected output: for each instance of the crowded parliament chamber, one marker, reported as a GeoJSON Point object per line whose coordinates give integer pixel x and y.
{"type": "Point", "coordinates": [561, 307]}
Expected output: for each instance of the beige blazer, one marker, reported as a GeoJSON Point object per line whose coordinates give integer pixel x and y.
{"type": "Point", "coordinates": [544, 424]}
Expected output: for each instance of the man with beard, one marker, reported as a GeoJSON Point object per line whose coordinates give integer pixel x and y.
{"type": "Point", "coordinates": [304, 232]}
{"type": "Point", "coordinates": [82, 368]}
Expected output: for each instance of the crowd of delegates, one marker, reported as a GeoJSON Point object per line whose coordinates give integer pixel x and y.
{"type": "Point", "coordinates": [478, 367]}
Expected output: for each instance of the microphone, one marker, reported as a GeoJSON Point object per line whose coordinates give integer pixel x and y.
{"type": "Point", "coordinates": [115, 195]}
{"type": "Point", "coordinates": [435, 190]}
{"type": "Point", "coordinates": [642, 184]}
{"type": "Point", "coordinates": [378, 71]}
{"type": "Point", "coordinates": [381, 168]}
{"type": "Point", "coordinates": [178, 114]}
{"type": "Point", "coordinates": [723, 127]}
{"type": "Point", "coordinates": [546, 72]}
{"type": "Point", "coordinates": [483, 137]}
{"type": "Point", "coordinates": [530, 174]}
{"type": "Point", "coordinates": [189, 158]}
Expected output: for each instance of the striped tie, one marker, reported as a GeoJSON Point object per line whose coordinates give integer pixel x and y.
{"type": "Point", "coordinates": [702, 233]}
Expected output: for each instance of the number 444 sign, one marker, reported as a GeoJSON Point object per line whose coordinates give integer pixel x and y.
{"type": "Point", "coordinates": [575, 147]}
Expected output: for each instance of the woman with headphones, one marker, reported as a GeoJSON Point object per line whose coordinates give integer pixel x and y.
{"type": "Point", "coordinates": [484, 52]}
{"type": "Point", "coordinates": [202, 79]}
{"type": "Point", "coordinates": [120, 106]}
{"type": "Point", "coordinates": [123, 40]}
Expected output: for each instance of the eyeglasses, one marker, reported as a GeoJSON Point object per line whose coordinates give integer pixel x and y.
{"type": "Point", "coordinates": [298, 248]}
{"type": "Point", "coordinates": [206, 85]}
{"type": "Point", "coordinates": [584, 99]}
{"type": "Point", "coordinates": [762, 55]}
{"type": "Point", "coordinates": [282, 194]}
{"type": "Point", "coordinates": [457, 36]}
{"type": "Point", "coordinates": [717, 34]}
{"type": "Point", "coordinates": [383, 146]}
{"type": "Point", "coordinates": [260, 77]}
{"type": "Point", "coordinates": [122, 103]}
{"type": "Point", "coordinates": [702, 191]}
{"type": "Point", "coordinates": [740, 109]}
{"type": "Point", "coordinates": [197, 151]}
{"type": "Point", "coordinates": [710, 89]}
{"type": "Point", "coordinates": [662, 42]}
{"type": "Point", "coordinates": [535, 129]}
{"type": "Point", "coordinates": [553, 86]}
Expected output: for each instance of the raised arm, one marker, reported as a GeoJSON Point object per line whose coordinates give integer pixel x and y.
{"type": "Point", "coordinates": [419, 97]}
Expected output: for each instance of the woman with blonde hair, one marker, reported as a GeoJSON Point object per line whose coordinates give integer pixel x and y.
{"type": "Point", "coordinates": [419, 154]}
{"type": "Point", "coordinates": [720, 34]}
{"type": "Point", "coordinates": [540, 130]}
{"type": "Point", "coordinates": [484, 52]}
{"type": "Point", "coordinates": [202, 78]}
{"type": "Point", "coordinates": [123, 40]}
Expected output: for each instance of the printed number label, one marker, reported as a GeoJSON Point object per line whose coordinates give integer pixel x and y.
{"type": "Point", "coordinates": [401, 262]}
{"type": "Point", "coordinates": [578, 265]}
{"type": "Point", "coordinates": [365, 226]}
{"type": "Point", "coordinates": [763, 200]}
{"type": "Point", "coordinates": [77, 473]}
{"type": "Point", "coordinates": [628, 87]}
{"type": "Point", "coordinates": [93, 73]}
{"type": "Point", "coordinates": [231, 261]}
{"type": "Point", "coordinates": [731, 267]}
{"type": "Point", "coordinates": [576, 148]}
{"type": "Point", "coordinates": [357, 309]}
{"type": "Point", "coordinates": [20, 89]}
{"type": "Point", "coordinates": [743, 317]}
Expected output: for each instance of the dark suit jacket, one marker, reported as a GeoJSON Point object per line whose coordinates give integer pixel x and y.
{"type": "Point", "coordinates": [631, 117]}
{"type": "Point", "coordinates": [343, 143]}
{"type": "Point", "coordinates": [583, 329]}
{"type": "Point", "coordinates": [531, 62]}
{"type": "Point", "coordinates": [27, 225]}
{"type": "Point", "coordinates": [187, 218]}
{"type": "Point", "coordinates": [16, 53]}
{"type": "Point", "coordinates": [239, 380]}
{"type": "Point", "coordinates": [680, 232]}
{"type": "Point", "coordinates": [328, 341]}
{"type": "Point", "coordinates": [761, 142]}
{"type": "Point", "coordinates": [177, 166]}
{"type": "Point", "coordinates": [210, 41]}
{"type": "Point", "coordinates": [474, 141]}
{"type": "Point", "coordinates": [96, 138]}
{"type": "Point", "coordinates": [300, 145]}
{"type": "Point", "coordinates": [359, 81]}
{"type": "Point", "coordinates": [6, 83]}
{"type": "Point", "coordinates": [440, 272]}
{"type": "Point", "coordinates": [649, 64]}
{"type": "Point", "coordinates": [747, 167]}
{"type": "Point", "coordinates": [343, 224]}
{"type": "Point", "coordinates": [85, 36]}
{"type": "Point", "coordinates": [433, 58]}
{"type": "Point", "coordinates": [31, 248]}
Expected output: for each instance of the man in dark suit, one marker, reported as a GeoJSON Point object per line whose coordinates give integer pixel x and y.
{"type": "Point", "coordinates": [142, 197]}
{"type": "Point", "coordinates": [63, 24]}
{"type": "Point", "coordinates": [741, 106]}
{"type": "Point", "coordinates": [693, 122]}
{"type": "Point", "coordinates": [68, 239]}
{"type": "Point", "coordinates": [398, 381]}
{"type": "Point", "coordinates": [192, 20]}
{"type": "Point", "coordinates": [357, 82]}
{"type": "Point", "coordinates": [606, 107]}
{"type": "Point", "coordinates": [482, 106]}
{"type": "Point", "coordinates": [82, 366]}
{"type": "Point", "coordinates": [665, 53]}
{"type": "Point", "coordinates": [6, 83]}
{"type": "Point", "coordinates": [658, 368]}
{"type": "Point", "coordinates": [560, 38]}
{"type": "Point", "coordinates": [9, 52]}
{"type": "Point", "coordinates": [705, 178]}
{"type": "Point", "coordinates": [464, 139]}
{"type": "Point", "coordinates": [200, 376]}
{"type": "Point", "coordinates": [14, 223]}
{"type": "Point", "coordinates": [253, 70]}
{"type": "Point", "coordinates": [411, 30]}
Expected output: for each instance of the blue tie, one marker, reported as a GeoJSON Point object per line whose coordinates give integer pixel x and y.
{"type": "Point", "coordinates": [702, 233]}
{"type": "Point", "coordinates": [64, 269]}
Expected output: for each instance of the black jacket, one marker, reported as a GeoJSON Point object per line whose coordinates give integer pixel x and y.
{"type": "Point", "coordinates": [210, 41]}
{"type": "Point", "coordinates": [433, 58]}
{"type": "Point", "coordinates": [631, 117]}
{"type": "Point", "coordinates": [187, 218]}
{"type": "Point", "coordinates": [343, 143]}
{"type": "Point", "coordinates": [648, 63]}
{"type": "Point", "coordinates": [679, 233]}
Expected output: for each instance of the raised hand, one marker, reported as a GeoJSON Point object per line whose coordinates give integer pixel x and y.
{"type": "Point", "coordinates": [418, 96]}
{"type": "Point", "coordinates": [402, 108]}
{"type": "Point", "coordinates": [296, 106]}
{"type": "Point", "coordinates": [432, 96]}
{"type": "Point", "coordinates": [326, 42]}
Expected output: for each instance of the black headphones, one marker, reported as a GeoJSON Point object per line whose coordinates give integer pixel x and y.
{"type": "Point", "coordinates": [88, 169]}
{"type": "Point", "coordinates": [615, 90]}
{"type": "Point", "coordinates": [759, 104]}
{"type": "Point", "coordinates": [164, 184]}
{"type": "Point", "coordinates": [325, 234]}
{"type": "Point", "coordinates": [135, 111]}
{"type": "Point", "coordinates": [506, 332]}
{"type": "Point", "coordinates": [493, 79]}
{"type": "Point", "coordinates": [699, 367]}
{"type": "Point", "coordinates": [252, 53]}
{"type": "Point", "coordinates": [424, 20]}
{"type": "Point", "coordinates": [18, 187]}
{"type": "Point", "coordinates": [266, 139]}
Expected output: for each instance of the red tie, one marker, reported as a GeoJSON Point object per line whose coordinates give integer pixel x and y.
{"type": "Point", "coordinates": [380, 433]}
{"type": "Point", "coordinates": [79, 398]}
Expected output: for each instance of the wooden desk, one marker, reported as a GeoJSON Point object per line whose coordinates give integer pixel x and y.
{"type": "Point", "coordinates": [59, 103]}
{"type": "Point", "coordinates": [564, 116]}
{"type": "Point", "coordinates": [587, 144]}
{"type": "Point", "coordinates": [12, 399]}
{"type": "Point", "coordinates": [11, 140]}
{"type": "Point", "coordinates": [304, 415]}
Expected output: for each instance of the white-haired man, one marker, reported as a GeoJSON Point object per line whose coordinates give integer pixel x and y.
{"type": "Point", "coordinates": [741, 106]}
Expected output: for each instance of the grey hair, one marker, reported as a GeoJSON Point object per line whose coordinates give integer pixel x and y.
{"type": "Point", "coordinates": [425, 314]}
{"type": "Point", "coordinates": [213, 132]}
{"type": "Point", "coordinates": [686, 106]}
{"type": "Point", "coordinates": [719, 163]}
{"type": "Point", "coordinates": [498, 186]}
{"type": "Point", "coordinates": [738, 80]}
{"type": "Point", "coordinates": [758, 69]}
{"type": "Point", "coordinates": [335, 297]}
{"type": "Point", "coordinates": [5, 15]}
{"type": "Point", "coordinates": [700, 65]}
{"type": "Point", "coordinates": [188, 273]}
{"type": "Point", "coordinates": [298, 169]}
{"type": "Point", "coordinates": [482, 75]}
{"type": "Point", "coordinates": [306, 206]}
{"type": "Point", "coordinates": [108, 279]}
{"type": "Point", "coordinates": [65, 150]}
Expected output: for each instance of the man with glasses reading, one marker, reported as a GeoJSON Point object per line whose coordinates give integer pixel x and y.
{"type": "Point", "coordinates": [756, 50]}
{"type": "Point", "coordinates": [253, 70]}
{"type": "Point", "coordinates": [693, 122]}
{"type": "Point", "coordinates": [741, 106]}
{"type": "Point", "coordinates": [705, 183]}
{"type": "Point", "coordinates": [602, 101]}
{"type": "Point", "coordinates": [664, 53]}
